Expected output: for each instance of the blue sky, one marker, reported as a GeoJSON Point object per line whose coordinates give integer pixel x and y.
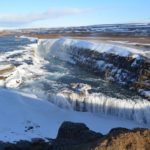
{"type": "Point", "coordinates": [56, 13]}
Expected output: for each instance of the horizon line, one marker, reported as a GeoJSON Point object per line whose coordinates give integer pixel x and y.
{"type": "Point", "coordinates": [25, 28]}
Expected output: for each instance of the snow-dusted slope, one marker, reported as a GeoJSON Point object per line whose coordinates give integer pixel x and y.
{"type": "Point", "coordinates": [24, 116]}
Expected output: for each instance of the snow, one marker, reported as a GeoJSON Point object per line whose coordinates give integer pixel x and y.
{"type": "Point", "coordinates": [32, 39]}
{"type": "Point", "coordinates": [19, 111]}
{"type": "Point", "coordinates": [59, 47]}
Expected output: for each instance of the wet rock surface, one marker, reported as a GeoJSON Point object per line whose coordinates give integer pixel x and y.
{"type": "Point", "coordinates": [77, 136]}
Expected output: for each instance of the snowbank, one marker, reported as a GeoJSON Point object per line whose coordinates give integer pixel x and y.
{"type": "Point", "coordinates": [24, 116]}
{"type": "Point", "coordinates": [60, 47]}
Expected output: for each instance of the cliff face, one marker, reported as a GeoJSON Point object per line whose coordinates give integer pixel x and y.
{"type": "Point", "coordinates": [129, 71]}
{"type": "Point", "coordinates": [121, 65]}
{"type": "Point", "coordinates": [77, 136]}
{"type": "Point", "coordinates": [126, 139]}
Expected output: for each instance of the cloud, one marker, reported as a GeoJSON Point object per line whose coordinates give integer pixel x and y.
{"type": "Point", "coordinates": [11, 20]}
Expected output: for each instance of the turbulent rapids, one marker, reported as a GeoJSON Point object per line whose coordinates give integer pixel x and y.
{"type": "Point", "coordinates": [77, 74]}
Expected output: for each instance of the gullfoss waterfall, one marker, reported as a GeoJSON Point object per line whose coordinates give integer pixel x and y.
{"type": "Point", "coordinates": [51, 70]}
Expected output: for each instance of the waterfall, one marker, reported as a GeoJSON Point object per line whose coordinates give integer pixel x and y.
{"type": "Point", "coordinates": [137, 110]}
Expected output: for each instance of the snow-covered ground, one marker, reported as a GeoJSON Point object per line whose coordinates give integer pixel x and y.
{"type": "Point", "coordinates": [140, 29]}
{"type": "Point", "coordinates": [24, 116]}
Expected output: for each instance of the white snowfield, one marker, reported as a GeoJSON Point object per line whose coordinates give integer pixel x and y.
{"type": "Point", "coordinates": [24, 116]}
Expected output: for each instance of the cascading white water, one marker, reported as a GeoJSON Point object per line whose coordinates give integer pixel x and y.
{"type": "Point", "coordinates": [129, 109]}
{"type": "Point", "coordinates": [137, 110]}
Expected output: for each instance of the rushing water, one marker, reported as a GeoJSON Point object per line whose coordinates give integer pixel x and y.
{"type": "Point", "coordinates": [47, 78]}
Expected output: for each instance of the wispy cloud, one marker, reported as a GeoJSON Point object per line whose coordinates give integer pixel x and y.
{"type": "Point", "coordinates": [11, 20]}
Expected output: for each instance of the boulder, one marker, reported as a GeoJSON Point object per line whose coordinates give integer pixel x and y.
{"type": "Point", "coordinates": [75, 136]}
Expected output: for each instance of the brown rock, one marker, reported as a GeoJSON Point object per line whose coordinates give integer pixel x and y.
{"type": "Point", "coordinates": [75, 136]}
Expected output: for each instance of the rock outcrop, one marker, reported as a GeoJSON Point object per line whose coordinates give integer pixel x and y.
{"type": "Point", "coordinates": [74, 135]}
{"type": "Point", "coordinates": [124, 139]}
{"type": "Point", "coordinates": [77, 136]}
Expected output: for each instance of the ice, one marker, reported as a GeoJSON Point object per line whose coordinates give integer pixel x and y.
{"type": "Point", "coordinates": [47, 48]}
{"type": "Point", "coordinates": [63, 47]}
